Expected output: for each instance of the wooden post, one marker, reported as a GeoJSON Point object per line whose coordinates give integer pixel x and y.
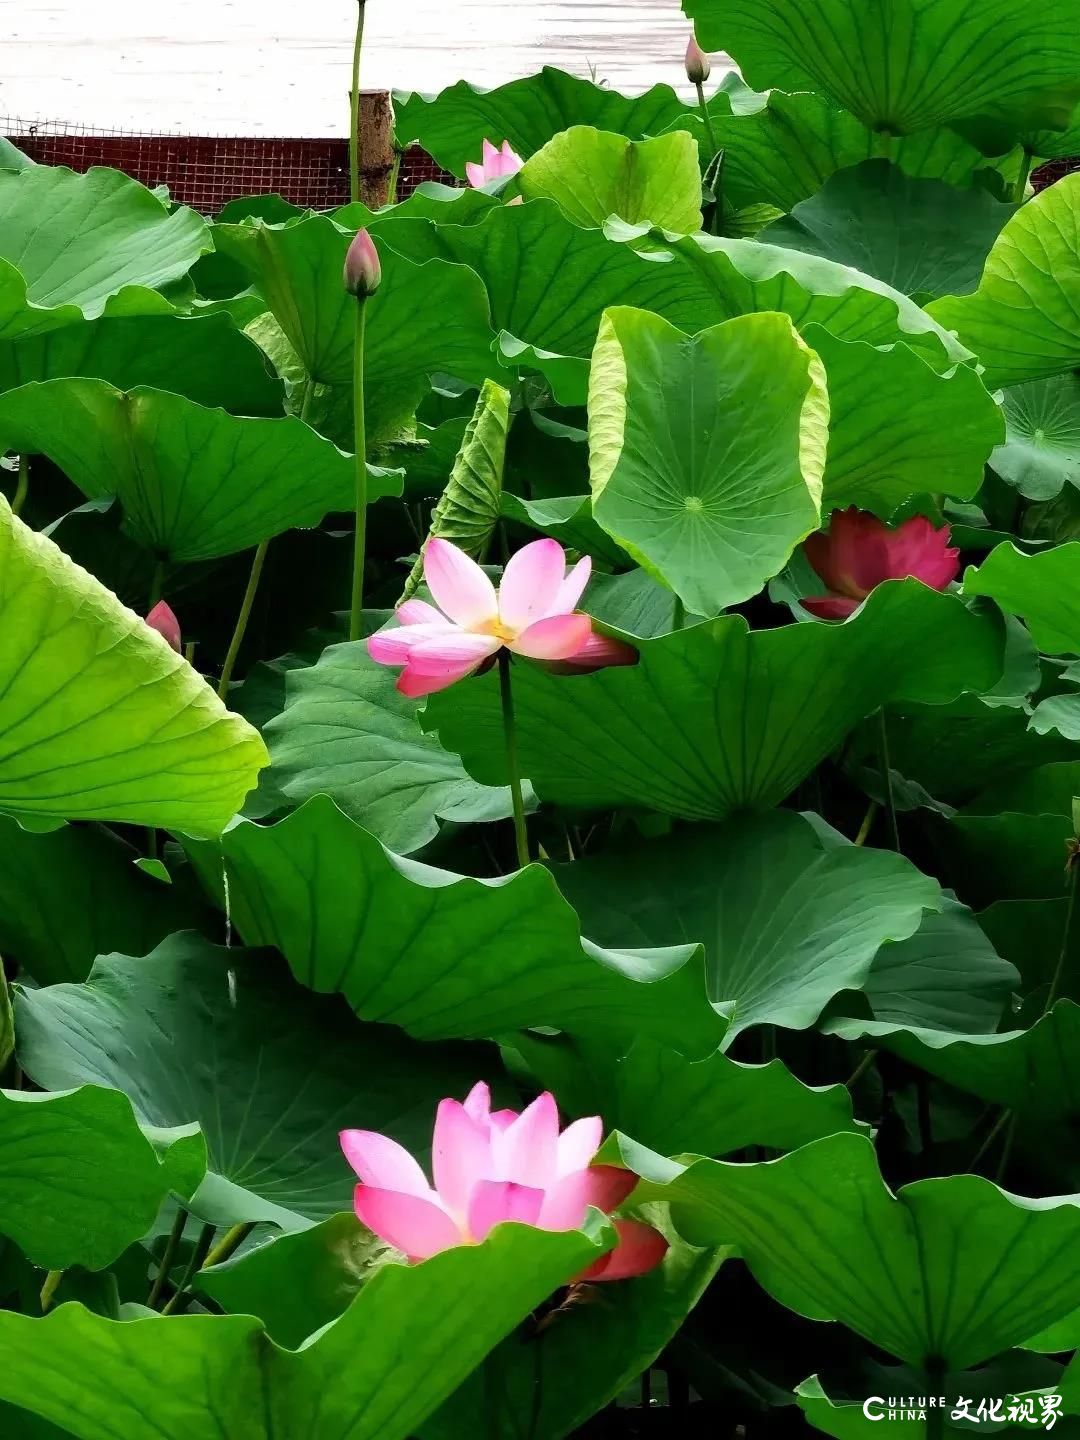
{"type": "Point", "coordinates": [376, 146]}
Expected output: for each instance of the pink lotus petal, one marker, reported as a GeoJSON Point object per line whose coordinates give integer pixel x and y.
{"type": "Point", "coordinates": [852, 558]}
{"type": "Point", "coordinates": [163, 620]}
{"type": "Point", "coordinates": [494, 1201]}
{"type": "Point", "coordinates": [830, 607]}
{"type": "Point", "coordinates": [460, 588]}
{"type": "Point", "coordinates": [502, 1119]}
{"type": "Point", "coordinates": [478, 1102]}
{"type": "Point", "coordinates": [509, 160]}
{"type": "Point", "coordinates": [598, 652]}
{"type": "Point", "coordinates": [394, 646]}
{"type": "Point", "coordinates": [489, 155]}
{"type": "Point", "coordinates": [578, 1143]}
{"type": "Point", "coordinates": [411, 1224]}
{"type": "Point", "coordinates": [566, 1202]}
{"type": "Point", "coordinates": [475, 174]}
{"type": "Point", "coordinates": [531, 583]}
{"type": "Point", "coordinates": [415, 685]}
{"type": "Point", "coordinates": [609, 1186]}
{"type": "Point", "coordinates": [382, 1162]}
{"type": "Point", "coordinates": [449, 650]}
{"type": "Point", "coordinates": [916, 548]}
{"type": "Point", "coordinates": [640, 1249]}
{"type": "Point", "coordinates": [419, 612]}
{"type": "Point", "coordinates": [460, 1156]}
{"type": "Point", "coordinates": [573, 587]}
{"type": "Point", "coordinates": [527, 1150]}
{"type": "Point", "coordinates": [559, 637]}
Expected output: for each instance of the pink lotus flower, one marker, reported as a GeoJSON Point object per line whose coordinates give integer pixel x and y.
{"type": "Point", "coordinates": [162, 619]}
{"type": "Point", "coordinates": [362, 275]}
{"type": "Point", "coordinates": [698, 67]}
{"type": "Point", "coordinates": [494, 165]}
{"type": "Point", "coordinates": [490, 1167]}
{"type": "Point", "coordinates": [860, 551]}
{"type": "Point", "coordinates": [532, 614]}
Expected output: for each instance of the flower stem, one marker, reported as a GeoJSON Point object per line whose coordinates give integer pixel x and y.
{"type": "Point", "coordinates": [22, 489]}
{"type": "Point", "coordinates": [229, 1243]}
{"type": "Point", "coordinates": [182, 1299]}
{"type": "Point", "coordinates": [867, 823]}
{"type": "Point", "coordinates": [521, 835]}
{"type": "Point", "coordinates": [243, 618]}
{"type": "Point", "coordinates": [710, 133]}
{"type": "Point", "coordinates": [861, 1069]}
{"type": "Point", "coordinates": [886, 780]}
{"type": "Point", "coordinates": [168, 1257]}
{"type": "Point", "coordinates": [1066, 934]}
{"type": "Point", "coordinates": [1020, 189]}
{"type": "Point", "coordinates": [356, 609]}
{"type": "Point", "coordinates": [354, 99]}
{"type": "Point", "coordinates": [157, 584]}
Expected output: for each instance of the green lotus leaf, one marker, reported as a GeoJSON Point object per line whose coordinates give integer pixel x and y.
{"type": "Point", "coordinates": [453, 125]}
{"type": "Point", "coordinates": [444, 956]}
{"type": "Point", "coordinates": [716, 718]}
{"type": "Point", "coordinates": [81, 1182]}
{"type": "Point", "coordinates": [269, 1071]}
{"type": "Point", "coordinates": [592, 174]}
{"type": "Point", "coordinates": [1023, 321]}
{"type": "Point", "coordinates": [945, 1273]}
{"type": "Point", "coordinates": [72, 894]}
{"type": "Point", "coordinates": [1008, 64]}
{"type": "Point", "coordinates": [407, 1341]}
{"type": "Point", "coordinates": [207, 358]}
{"type": "Point", "coordinates": [1043, 589]}
{"type": "Point", "coordinates": [786, 923]}
{"type": "Point", "coordinates": [347, 733]}
{"type": "Point", "coordinates": [296, 268]}
{"type": "Point", "coordinates": [99, 718]}
{"type": "Point", "coordinates": [922, 237]}
{"type": "Point", "coordinates": [706, 452]}
{"type": "Point", "coordinates": [194, 483]}
{"type": "Point", "coordinates": [81, 240]}
{"type": "Point", "coordinates": [1041, 453]}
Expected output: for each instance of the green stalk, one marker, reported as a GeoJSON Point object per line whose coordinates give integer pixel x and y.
{"type": "Point", "coordinates": [886, 780]}
{"type": "Point", "coordinates": [1059, 969]}
{"type": "Point", "coordinates": [521, 834]}
{"type": "Point", "coordinates": [354, 97]}
{"type": "Point", "coordinates": [22, 489]}
{"type": "Point", "coordinates": [182, 1299]}
{"type": "Point", "coordinates": [168, 1258]}
{"type": "Point", "coordinates": [157, 584]}
{"type": "Point", "coordinates": [356, 608]}
{"type": "Point", "coordinates": [229, 1243]}
{"type": "Point", "coordinates": [243, 618]}
{"type": "Point", "coordinates": [1020, 188]}
{"type": "Point", "coordinates": [710, 133]}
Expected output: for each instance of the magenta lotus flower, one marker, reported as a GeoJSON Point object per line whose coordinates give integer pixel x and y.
{"type": "Point", "coordinates": [532, 614]}
{"type": "Point", "coordinates": [363, 268]}
{"type": "Point", "coordinates": [490, 1166]}
{"type": "Point", "coordinates": [698, 67]}
{"type": "Point", "coordinates": [162, 619]}
{"type": "Point", "coordinates": [860, 551]}
{"type": "Point", "coordinates": [494, 165]}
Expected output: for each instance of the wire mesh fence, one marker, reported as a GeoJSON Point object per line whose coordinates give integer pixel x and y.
{"type": "Point", "coordinates": [206, 172]}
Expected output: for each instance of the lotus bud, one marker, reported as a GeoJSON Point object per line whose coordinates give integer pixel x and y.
{"type": "Point", "coordinates": [162, 619]}
{"type": "Point", "coordinates": [698, 68]}
{"type": "Point", "coordinates": [363, 271]}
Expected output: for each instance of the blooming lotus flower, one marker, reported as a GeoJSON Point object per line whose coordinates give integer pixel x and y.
{"type": "Point", "coordinates": [698, 67]}
{"type": "Point", "coordinates": [162, 619]}
{"type": "Point", "coordinates": [532, 614]}
{"type": "Point", "coordinates": [860, 551]}
{"type": "Point", "coordinates": [494, 165]}
{"type": "Point", "coordinates": [490, 1166]}
{"type": "Point", "coordinates": [363, 269]}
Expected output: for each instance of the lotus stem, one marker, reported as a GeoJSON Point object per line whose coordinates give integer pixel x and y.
{"type": "Point", "coordinates": [710, 133]}
{"type": "Point", "coordinates": [1020, 188]}
{"type": "Point", "coordinates": [356, 609]}
{"type": "Point", "coordinates": [168, 1258]}
{"type": "Point", "coordinates": [1066, 934]}
{"type": "Point", "coordinates": [354, 101]}
{"type": "Point", "coordinates": [521, 834]}
{"type": "Point", "coordinates": [229, 1243]}
{"type": "Point", "coordinates": [22, 489]}
{"type": "Point", "coordinates": [242, 619]}
{"type": "Point", "coordinates": [886, 780]}
{"type": "Point", "coordinates": [182, 1299]}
